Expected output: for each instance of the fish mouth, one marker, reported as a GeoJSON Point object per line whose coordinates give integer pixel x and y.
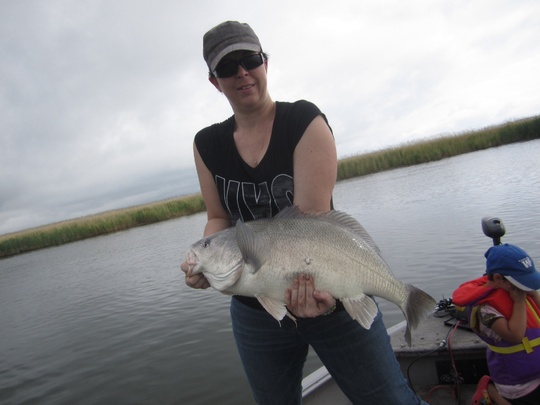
{"type": "Point", "coordinates": [193, 262]}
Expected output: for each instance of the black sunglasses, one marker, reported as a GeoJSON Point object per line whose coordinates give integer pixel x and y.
{"type": "Point", "coordinates": [228, 68]}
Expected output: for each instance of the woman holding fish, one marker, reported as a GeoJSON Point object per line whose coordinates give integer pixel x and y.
{"type": "Point", "coordinates": [266, 157]}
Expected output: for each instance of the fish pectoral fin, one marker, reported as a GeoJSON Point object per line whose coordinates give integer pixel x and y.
{"type": "Point", "coordinates": [221, 282]}
{"type": "Point", "coordinates": [254, 251]}
{"type": "Point", "coordinates": [362, 309]}
{"type": "Point", "coordinates": [274, 307]}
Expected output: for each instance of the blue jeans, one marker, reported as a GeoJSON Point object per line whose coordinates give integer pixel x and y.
{"type": "Point", "coordinates": [360, 361]}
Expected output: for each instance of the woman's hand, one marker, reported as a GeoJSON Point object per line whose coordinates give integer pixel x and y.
{"type": "Point", "coordinates": [304, 301]}
{"type": "Point", "coordinates": [195, 280]}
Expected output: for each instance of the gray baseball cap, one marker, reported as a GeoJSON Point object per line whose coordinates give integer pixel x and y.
{"type": "Point", "coordinates": [227, 37]}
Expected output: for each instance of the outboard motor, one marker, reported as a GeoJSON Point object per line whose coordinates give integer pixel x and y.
{"type": "Point", "coordinates": [493, 228]}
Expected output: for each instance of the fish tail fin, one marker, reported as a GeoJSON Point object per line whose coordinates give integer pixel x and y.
{"type": "Point", "coordinates": [417, 306]}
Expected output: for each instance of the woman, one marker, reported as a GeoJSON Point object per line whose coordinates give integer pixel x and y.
{"type": "Point", "coordinates": [267, 156]}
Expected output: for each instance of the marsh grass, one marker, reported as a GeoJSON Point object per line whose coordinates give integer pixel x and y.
{"type": "Point", "coordinates": [100, 224]}
{"type": "Point", "coordinates": [439, 148]}
{"type": "Point", "coordinates": [355, 166]}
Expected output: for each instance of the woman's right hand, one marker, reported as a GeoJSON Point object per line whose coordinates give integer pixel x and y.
{"type": "Point", "coordinates": [194, 280]}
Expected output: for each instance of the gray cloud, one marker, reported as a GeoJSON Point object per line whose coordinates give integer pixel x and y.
{"type": "Point", "coordinates": [99, 101]}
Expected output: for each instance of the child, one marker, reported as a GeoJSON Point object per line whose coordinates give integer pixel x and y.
{"type": "Point", "coordinates": [503, 308]}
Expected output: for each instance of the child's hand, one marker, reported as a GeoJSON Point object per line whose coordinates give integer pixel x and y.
{"type": "Point", "coordinates": [517, 295]}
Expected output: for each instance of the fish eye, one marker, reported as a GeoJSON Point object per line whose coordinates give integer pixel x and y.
{"type": "Point", "coordinates": [205, 243]}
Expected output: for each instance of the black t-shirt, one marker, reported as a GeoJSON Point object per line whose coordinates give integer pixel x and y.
{"type": "Point", "coordinates": [249, 193]}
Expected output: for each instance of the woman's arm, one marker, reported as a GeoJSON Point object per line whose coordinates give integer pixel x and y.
{"type": "Point", "coordinates": [315, 172]}
{"type": "Point", "coordinates": [315, 168]}
{"type": "Point", "coordinates": [217, 218]}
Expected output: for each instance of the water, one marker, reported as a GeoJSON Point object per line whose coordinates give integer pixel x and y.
{"type": "Point", "coordinates": [109, 320]}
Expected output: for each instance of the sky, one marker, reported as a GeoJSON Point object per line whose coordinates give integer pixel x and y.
{"type": "Point", "coordinates": [100, 99]}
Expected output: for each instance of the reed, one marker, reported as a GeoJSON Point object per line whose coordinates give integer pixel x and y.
{"type": "Point", "coordinates": [100, 224]}
{"type": "Point", "coordinates": [439, 148]}
{"type": "Point", "coordinates": [355, 166]}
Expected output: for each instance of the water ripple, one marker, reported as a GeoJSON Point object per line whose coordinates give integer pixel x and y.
{"type": "Point", "coordinates": [109, 320]}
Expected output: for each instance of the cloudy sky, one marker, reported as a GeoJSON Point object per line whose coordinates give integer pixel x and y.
{"type": "Point", "coordinates": [100, 99]}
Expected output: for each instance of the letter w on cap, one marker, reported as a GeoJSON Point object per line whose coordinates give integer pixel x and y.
{"type": "Point", "coordinates": [526, 262]}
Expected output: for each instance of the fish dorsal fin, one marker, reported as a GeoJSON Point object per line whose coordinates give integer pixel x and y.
{"type": "Point", "coordinates": [276, 308]}
{"type": "Point", "coordinates": [362, 309]}
{"type": "Point", "coordinates": [253, 249]}
{"type": "Point", "coordinates": [334, 217]}
{"type": "Point", "coordinates": [291, 212]}
{"type": "Point", "coordinates": [346, 221]}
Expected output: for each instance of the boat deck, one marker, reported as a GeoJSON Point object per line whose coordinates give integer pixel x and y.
{"type": "Point", "coordinates": [436, 353]}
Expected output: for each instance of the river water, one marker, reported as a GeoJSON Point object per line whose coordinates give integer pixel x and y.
{"type": "Point", "coordinates": [110, 321]}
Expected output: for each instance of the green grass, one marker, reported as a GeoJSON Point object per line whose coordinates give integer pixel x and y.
{"type": "Point", "coordinates": [355, 166]}
{"type": "Point", "coordinates": [439, 148]}
{"type": "Point", "coordinates": [99, 224]}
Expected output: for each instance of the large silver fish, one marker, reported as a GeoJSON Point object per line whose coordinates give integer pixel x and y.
{"type": "Point", "coordinates": [260, 259]}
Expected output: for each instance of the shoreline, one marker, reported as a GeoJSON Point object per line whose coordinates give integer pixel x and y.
{"type": "Point", "coordinates": [410, 154]}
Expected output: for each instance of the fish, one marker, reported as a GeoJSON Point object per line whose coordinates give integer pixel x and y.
{"type": "Point", "coordinates": [260, 259]}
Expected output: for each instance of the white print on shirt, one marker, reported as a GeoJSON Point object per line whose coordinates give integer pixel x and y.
{"type": "Point", "coordinates": [248, 201]}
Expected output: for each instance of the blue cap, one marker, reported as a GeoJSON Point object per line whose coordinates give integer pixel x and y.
{"type": "Point", "coordinates": [514, 264]}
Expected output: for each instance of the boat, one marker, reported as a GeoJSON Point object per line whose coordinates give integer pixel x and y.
{"type": "Point", "coordinates": [444, 362]}
{"type": "Point", "coordinates": [442, 365]}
